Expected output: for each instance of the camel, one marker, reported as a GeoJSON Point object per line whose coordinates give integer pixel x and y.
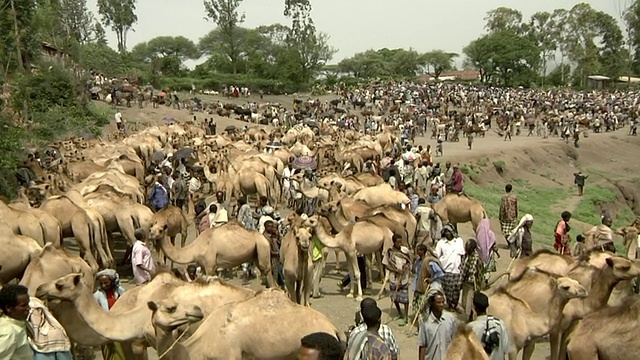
{"type": "Point", "coordinates": [380, 195]}
{"type": "Point", "coordinates": [82, 223]}
{"type": "Point", "coordinates": [230, 331]}
{"type": "Point", "coordinates": [227, 246]}
{"type": "Point", "coordinates": [624, 289]}
{"type": "Point", "coordinates": [361, 237]}
{"type": "Point", "coordinates": [607, 334]}
{"type": "Point", "coordinates": [454, 208]}
{"type": "Point", "coordinates": [600, 283]}
{"type": "Point", "coordinates": [351, 184]}
{"type": "Point", "coordinates": [53, 263]}
{"type": "Point", "coordinates": [128, 321]}
{"type": "Point", "coordinates": [465, 346]}
{"type": "Point", "coordinates": [538, 300]}
{"type": "Point", "coordinates": [169, 222]}
{"type": "Point", "coordinates": [297, 260]}
{"type": "Point", "coordinates": [249, 182]}
{"type": "Point", "coordinates": [52, 228]}
{"type": "Point", "coordinates": [120, 215]}
{"type": "Point", "coordinates": [22, 222]}
{"type": "Point", "coordinates": [17, 252]}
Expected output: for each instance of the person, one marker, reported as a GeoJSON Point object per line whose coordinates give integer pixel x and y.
{"type": "Point", "coordinates": [119, 121]}
{"type": "Point", "coordinates": [579, 179]}
{"type": "Point", "coordinates": [244, 214]}
{"type": "Point", "coordinates": [457, 180]}
{"type": "Point", "coordinates": [414, 198]}
{"type": "Point", "coordinates": [491, 331]}
{"type": "Point", "coordinates": [448, 176]}
{"type": "Point", "coordinates": [217, 215]}
{"type": "Point", "coordinates": [202, 219]}
{"type": "Point", "coordinates": [437, 330]}
{"type": "Point", "coordinates": [398, 261]}
{"type": "Point", "coordinates": [48, 339]}
{"type": "Point", "coordinates": [450, 251]}
{"type": "Point", "coordinates": [579, 248]}
{"type": "Point", "coordinates": [178, 190]}
{"type": "Point", "coordinates": [434, 195]}
{"type": "Point", "coordinates": [368, 344]}
{"type": "Point", "coordinates": [602, 235]}
{"type": "Point", "coordinates": [470, 139]}
{"type": "Point", "coordinates": [14, 303]}
{"type": "Point", "coordinates": [420, 178]}
{"type": "Point", "coordinates": [508, 212]}
{"type": "Point", "coordinates": [273, 235]}
{"type": "Point", "coordinates": [267, 212]}
{"type": "Point", "coordinates": [109, 291]}
{"type": "Point", "coordinates": [423, 220]}
{"type": "Point", "coordinates": [472, 274]}
{"type": "Point", "coordinates": [289, 191]}
{"type": "Point", "coordinates": [317, 259]}
{"type": "Point", "coordinates": [193, 272]}
{"type": "Point", "coordinates": [561, 235]}
{"type": "Point", "coordinates": [319, 346]}
{"type": "Point", "coordinates": [144, 267]}
{"type": "Point", "coordinates": [158, 197]}
{"type": "Point", "coordinates": [429, 275]}
{"type": "Point", "coordinates": [220, 200]}
{"type": "Point", "coordinates": [393, 181]}
{"type": "Point", "coordinates": [487, 247]}
{"type": "Point", "coordinates": [384, 331]}
{"type": "Point", "coordinates": [521, 242]}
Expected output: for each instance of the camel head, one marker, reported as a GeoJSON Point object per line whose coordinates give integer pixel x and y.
{"type": "Point", "coordinates": [623, 268]}
{"type": "Point", "coordinates": [311, 222]}
{"type": "Point", "coordinates": [629, 235]}
{"type": "Point", "coordinates": [303, 238]}
{"type": "Point", "coordinates": [570, 288]}
{"type": "Point", "coordinates": [68, 287]}
{"type": "Point", "coordinates": [329, 208]}
{"type": "Point", "coordinates": [169, 315]}
{"type": "Point", "coordinates": [157, 228]}
{"type": "Point", "coordinates": [38, 193]}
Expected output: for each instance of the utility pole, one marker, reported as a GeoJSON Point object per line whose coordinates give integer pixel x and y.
{"type": "Point", "coordinates": [17, 34]}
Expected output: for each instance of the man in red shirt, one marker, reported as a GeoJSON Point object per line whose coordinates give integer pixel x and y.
{"type": "Point", "coordinates": [456, 188]}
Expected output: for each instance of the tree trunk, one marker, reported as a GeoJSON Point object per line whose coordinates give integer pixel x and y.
{"type": "Point", "coordinates": [17, 34]}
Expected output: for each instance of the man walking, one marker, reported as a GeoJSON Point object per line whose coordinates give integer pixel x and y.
{"type": "Point", "coordinates": [579, 179]}
{"type": "Point", "coordinates": [437, 331]}
{"type": "Point", "coordinates": [508, 212]}
{"type": "Point", "coordinates": [144, 267]}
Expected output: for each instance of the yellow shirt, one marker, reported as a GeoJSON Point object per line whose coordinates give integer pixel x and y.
{"type": "Point", "coordinates": [317, 249]}
{"type": "Point", "coordinates": [14, 344]}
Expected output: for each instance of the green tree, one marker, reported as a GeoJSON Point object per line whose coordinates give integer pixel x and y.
{"type": "Point", "coordinates": [100, 36]}
{"type": "Point", "coordinates": [510, 57]}
{"type": "Point", "coordinates": [166, 54]}
{"type": "Point", "coordinates": [76, 20]}
{"type": "Point", "coordinates": [18, 35]}
{"type": "Point", "coordinates": [504, 19]}
{"type": "Point", "coordinates": [120, 16]}
{"type": "Point", "coordinates": [225, 14]}
{"type": "Point", "coordinates": [542, 30]}
{"type": "Point", "coordinates": [438, 61]}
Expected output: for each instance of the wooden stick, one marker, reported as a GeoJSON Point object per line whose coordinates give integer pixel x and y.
{"type": "Point", "coordinates": [415, 318]}
{"type": "Point", "coordinates": [514, 259]}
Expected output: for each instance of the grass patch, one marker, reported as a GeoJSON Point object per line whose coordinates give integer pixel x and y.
{"type": "Point", "coordinates": [535, 200]}
{"type": "Point", "coordinates": [500, 166]}
{"type": "Point", "coordinates": [470, 171]}
{"type": "Point", "coordinates": [587, 210]}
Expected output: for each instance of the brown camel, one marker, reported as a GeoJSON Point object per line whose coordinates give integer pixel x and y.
{"type": "Point", "coordinates": [380, 195]}
{"type": "Point", "coordinates": [600, 283]}
{"type": "Point", "coordinates": [455, 209]}
{"type": "Point", "coordinates": [17, 252]}
{"type": "Point", "coordinates": [607, 334]}
{"type": "Point", "coordinates": [129, 322]}
{"type": "Point", "coordinates": [227, 246]}
{"type": "Point", "coordinates": [297, 261]}
{"type": "Point", "coordinates": [235, 326]}
{"type": "Point", "coordinates": [77, 221]}
{"type": "Point", "coordinates": [531, 307]}
{"type": "Point", "coordinates": [361, 237]}
{"type": "Point", "coordinates": [51, 226]}
{"type": "Point", "coordinates": [169, 222]}
{"type": "Point", "coordinates": [23, 223]}
{"type": "Point", "coordinates": [624, 289]}
{"type": "Point", "coordinates": [465, 346]}
{"type": "Point", "coordinates": [53, 263]}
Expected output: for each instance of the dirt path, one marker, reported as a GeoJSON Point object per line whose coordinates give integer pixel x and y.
{"type": "Point", "coordinates": [341, 309]}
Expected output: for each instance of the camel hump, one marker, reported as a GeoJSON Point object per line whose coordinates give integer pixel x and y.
{"type": "Point", "coordinates": [75, 198]}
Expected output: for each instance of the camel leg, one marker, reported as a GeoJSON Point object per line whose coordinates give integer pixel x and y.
{"type": "Point", "coordinates": [384, 284]}
{"type": "Point", "coordinates": [337, 268]}
{"type": "Point", "coordinates": [354, 273]}
{"type": "Point", "coordinates": [528, 349]}
{"type": "Point", "coordinates": [369, 265]}
{"type": "Point", "coordinates": [83, 238]}
{"type": "Point", "coordinates": [554, 343]}
{"type": "Point", "coordinates": [307, 284]}
{"type": "Point", "coordinates": [290, 286]}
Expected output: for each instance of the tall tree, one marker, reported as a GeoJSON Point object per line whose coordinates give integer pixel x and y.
{"type": "Point", "coordinates": [632, 23]}
{"type": "Point", "coordinates": [18, 34]}
{"type": "Point", "coordinates": [438, 61]}
{"type": "Point", "coordinates": [76, 20]}
{"type": "Point", "coordinates": [542, 30]}
{"type": "Point", "coordinates": [120, 16]}
{"type": "Point", "coordinates": [225, 14]}
{"type": "Point", "coordinates": [504, 19]}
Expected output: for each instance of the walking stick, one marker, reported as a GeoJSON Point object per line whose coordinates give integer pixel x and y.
{"type": "Point", "coordinates": [514, 259]}
{"type": "Point", "coordinates": [418, 311]}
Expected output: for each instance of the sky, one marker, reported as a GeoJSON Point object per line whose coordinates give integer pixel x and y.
{"type": "Point", "coordinates": [353, 25]}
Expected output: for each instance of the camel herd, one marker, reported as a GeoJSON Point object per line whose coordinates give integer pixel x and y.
{"type": "Point", "coordinates": [90, 189]}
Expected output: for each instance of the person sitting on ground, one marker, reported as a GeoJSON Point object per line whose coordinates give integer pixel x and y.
{"type": "Point", "coordinates": [368, 344]}
{"type": "Point", "coordinates": [383, 331]}
{"type": "Point", "coordinates": [14, 303]}
{"type": "Point", "coordinates": [320, 346]}
{"type": "Point", "coordinates": [492, 332]}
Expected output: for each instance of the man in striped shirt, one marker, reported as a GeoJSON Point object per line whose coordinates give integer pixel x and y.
{"type": "Point", "coordinates": [383, 331]}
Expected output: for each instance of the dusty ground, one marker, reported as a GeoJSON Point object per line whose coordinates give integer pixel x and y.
{"type": "Point", "coordinates": [610, 158]}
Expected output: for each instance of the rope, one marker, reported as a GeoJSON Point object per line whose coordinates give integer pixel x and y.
{"type": "Point", "coordinates": [174, 343]}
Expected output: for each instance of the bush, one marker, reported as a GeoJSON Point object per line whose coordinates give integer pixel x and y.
{"type": "Point", "coordinates": [218, 81]}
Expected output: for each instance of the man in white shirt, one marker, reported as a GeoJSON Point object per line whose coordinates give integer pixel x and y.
{"type": "Point", "coordinates": [119, 122]}
{"type": "Point", "coordinates": [450, 250]}
{"type": "Point", "coordinates": [144, 267]}
{"type": "Point", "coordinates": [286, 183]}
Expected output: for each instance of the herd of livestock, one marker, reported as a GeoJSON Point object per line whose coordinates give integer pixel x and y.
{"type": "Point", "coordinates": [89, 189]}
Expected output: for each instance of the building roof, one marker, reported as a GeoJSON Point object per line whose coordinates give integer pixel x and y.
{"type": "Point", "coordinates": [598, 77]}
{"type": "Point", "coordinates": [629, 79]}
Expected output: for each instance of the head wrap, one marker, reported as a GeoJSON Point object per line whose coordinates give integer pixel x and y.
{"type": "Point", "coordinates": [486, 240]}
{"type": "Point", "coordinates": [112, 274]}
{"type": "Point", "coordinates": [449, 228]}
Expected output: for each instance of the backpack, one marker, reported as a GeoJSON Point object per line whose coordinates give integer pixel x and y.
{"type": "Point", "coordinates": [491, 337]}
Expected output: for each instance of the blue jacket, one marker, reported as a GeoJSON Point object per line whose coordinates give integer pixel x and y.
{"type": "Point", "coordinates": [159, 197]}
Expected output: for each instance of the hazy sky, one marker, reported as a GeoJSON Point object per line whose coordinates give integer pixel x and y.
{"type": "Point", "coordinates": [354, 25]}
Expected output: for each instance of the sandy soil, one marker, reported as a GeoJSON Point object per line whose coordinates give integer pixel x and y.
{"type": "Point", "coordinates": [612, 154]}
